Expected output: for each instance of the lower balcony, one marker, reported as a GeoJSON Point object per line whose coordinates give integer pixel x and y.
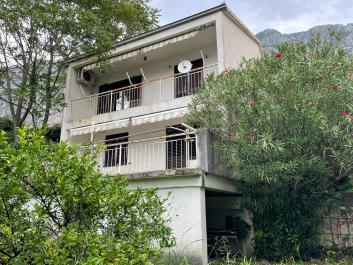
{"type": "Point", "coordinates": [164, 155]}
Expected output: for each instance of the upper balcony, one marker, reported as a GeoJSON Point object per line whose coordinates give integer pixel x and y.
{"type": "Point", "coordinates": [142, 78]}
{"type": "Point", "coordinates": [159, 90]}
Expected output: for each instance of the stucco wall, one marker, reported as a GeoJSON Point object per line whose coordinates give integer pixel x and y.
{"type": "Point", "coordinates": [186, 210]}
{"type": "Point", "coordinates": [237, 44]}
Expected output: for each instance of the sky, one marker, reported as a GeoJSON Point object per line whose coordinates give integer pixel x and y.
{"type": "Point", "coordinates": [286, 16]}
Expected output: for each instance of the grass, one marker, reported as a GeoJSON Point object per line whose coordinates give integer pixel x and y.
{"type": "Point", "coordinates": [325, 257]}
{"type": "Point", "coordinates": [250, 261]}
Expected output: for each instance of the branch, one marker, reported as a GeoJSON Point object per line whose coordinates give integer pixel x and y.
{"type": "Point", "coordinates": [4, 99]}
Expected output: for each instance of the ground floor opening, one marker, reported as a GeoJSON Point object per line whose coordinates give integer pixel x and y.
{"type": "Point", "coordinates": [228, 225]}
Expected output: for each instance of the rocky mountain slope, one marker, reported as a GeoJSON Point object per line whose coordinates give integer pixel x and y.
{"type": "Point", "coordinates": [270, 38]}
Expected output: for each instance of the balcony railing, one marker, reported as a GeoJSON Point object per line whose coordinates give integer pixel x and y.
{"type": "Point", "coordinates": [145, 93]}
{"type": "Point", "coordinates": [149, 155]}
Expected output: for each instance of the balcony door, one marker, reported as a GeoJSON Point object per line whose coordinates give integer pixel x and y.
{"type": "Point", "coordinates": [187, 84]}
{"type": "Point", "coordinates": [116, 150]}
{"type": "Point", "coordinates": [119, 95]}
{"type": "Point", "coordinates": [177, 147]}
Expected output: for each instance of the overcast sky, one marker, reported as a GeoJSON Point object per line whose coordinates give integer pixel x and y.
{"type": "Point", "coordinates": [286, 16]}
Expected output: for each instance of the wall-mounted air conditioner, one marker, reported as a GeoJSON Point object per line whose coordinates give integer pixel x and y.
{"type": "Point", "coordinates": [84, 77]}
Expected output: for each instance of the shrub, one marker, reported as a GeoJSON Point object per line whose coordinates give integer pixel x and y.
{"type": "Point", "coordinates": [285, 121]}
{"type": "Point", "coordinates": [57, 208]}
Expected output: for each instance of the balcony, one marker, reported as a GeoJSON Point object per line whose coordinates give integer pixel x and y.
{"type": "Point", "coordinates": [149, 155]}
{"type": "Point", "coordinates": [146, 93]}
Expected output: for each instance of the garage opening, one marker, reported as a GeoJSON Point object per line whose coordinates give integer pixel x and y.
{"type": "Point", "coordinates": [227, 231]}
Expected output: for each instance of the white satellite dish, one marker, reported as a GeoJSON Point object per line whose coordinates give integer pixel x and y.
{"type": "Point", "coordinates": [184, 66]}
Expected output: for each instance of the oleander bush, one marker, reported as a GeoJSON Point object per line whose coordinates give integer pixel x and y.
{"type": "Point", "coordinates": [285, 122]}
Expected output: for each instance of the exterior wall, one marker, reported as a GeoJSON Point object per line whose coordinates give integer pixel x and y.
{"type": "Point", "coordinates": [237, 44]}
{"type": "Point", "coordinates": [186, 208]}
{"type": "Point", "coordinates": [211, 157]}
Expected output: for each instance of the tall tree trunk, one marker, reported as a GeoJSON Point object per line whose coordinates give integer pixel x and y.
{"type": "Point", "coordinates": [48, 94]}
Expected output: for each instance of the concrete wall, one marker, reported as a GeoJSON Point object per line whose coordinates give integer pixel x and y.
{"type": "Point", "coordinates": [211, 158]}
{"type": "Point", "coordinates": [186, 208]}
{"type": "Point", "coordinates": [187, 211]}
{"type": "Point", "coordinates": [237, 44]}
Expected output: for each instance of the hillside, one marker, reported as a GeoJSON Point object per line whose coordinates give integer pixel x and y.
{"type": "Point", "coordinates": [270, 38]}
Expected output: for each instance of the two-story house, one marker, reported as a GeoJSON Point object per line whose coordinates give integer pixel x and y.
{"type": "Point", "coordinates": [137, 108]}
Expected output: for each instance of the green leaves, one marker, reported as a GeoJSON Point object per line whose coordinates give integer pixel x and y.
{"type": "Point", "coordinates": [286, 121]}
{"type": "Point", "coordinates": [38, 36]}
{"type": "Point", "coordinates": [57, 208]}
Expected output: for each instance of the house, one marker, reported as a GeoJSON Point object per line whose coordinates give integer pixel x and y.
{"type": "Point", "coordinates": [137, 108]}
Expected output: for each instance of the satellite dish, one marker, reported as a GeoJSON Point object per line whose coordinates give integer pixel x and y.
{"type": "Point", "coordinates": [184, 66]}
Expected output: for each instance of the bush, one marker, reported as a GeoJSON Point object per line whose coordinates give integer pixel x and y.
{"type": "Point", "coordinates": [7, 126]}
{"type": "Point", "coordinates": [285, 121]}
{"type": "Point", "coordinates": [57, 208]}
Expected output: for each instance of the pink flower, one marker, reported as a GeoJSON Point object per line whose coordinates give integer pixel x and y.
{"type": "Point", "coordinates": [335, 87]}
{"type": "Point", "coordinates": [253, 104]}
{"type": "Point", "coordinates": [278, 55]}
{"type": "Point", "coordinates": [225, 72]}
{"type": "Point", "coordinates": [344, 114]}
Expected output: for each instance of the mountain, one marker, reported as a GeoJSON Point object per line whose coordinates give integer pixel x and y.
{"type": "Point", "coordinates": [271, 38]}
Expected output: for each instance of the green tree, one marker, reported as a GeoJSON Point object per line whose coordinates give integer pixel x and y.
{"type": "Point", "coordinates": [37, 36]}
{"type": "Point", "coordinates": [285, 122]}
{"type": "Point", "coordinates": [57, 208]}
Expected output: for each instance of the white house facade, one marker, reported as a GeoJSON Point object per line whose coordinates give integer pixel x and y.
{"type": "Point", "coordinates": [138, 106]}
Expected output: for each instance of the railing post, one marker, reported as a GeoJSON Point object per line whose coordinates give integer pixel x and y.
{"type": "Point", "coordinates": [187, 152]}
{"type": "Point", "coordinates": [160, 90]}
{"type": "Point", "coordinates": [197, 150]}
{"type": "Point", "coordinates": [121, 95]}
{"type": "Point", "coordinates": [120, 157]}
{"type": "Point", "coordinates": [111, 102]}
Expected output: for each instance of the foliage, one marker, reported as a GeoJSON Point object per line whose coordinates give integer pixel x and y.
{"type": "Point", "coordinates": [38, 36]}
{"type": "Point", "coordinates": [57, 208]}
{"type": "Point", "coordinates": [53, 133]}
{"type": "Point", "coordinates": [241, 228]}
{"type": "Point", "coordinates": [285, 122]}
{"type": "Point", "coordinates": [6, 125]}
{"type": "Point", "coordinates": [250, 261]}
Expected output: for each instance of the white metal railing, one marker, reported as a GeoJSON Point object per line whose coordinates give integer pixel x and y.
{"type": "Point", "coordinates": [149, 155]}
{"type": "Point", "coordinates": [145, 93]}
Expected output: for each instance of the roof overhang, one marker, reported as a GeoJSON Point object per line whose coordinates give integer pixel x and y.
{"type": "Point", "coordinates": [134, 121]}
{"type": "Point", "coordinates": [222, 7]}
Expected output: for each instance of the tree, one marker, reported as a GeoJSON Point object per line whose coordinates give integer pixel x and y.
{"type": "Point", "coordinates": [37, 36]}
{"type": "Point", "coordinates": [57, 208]}
{"type": "Point", "coordinates": [285, 122]}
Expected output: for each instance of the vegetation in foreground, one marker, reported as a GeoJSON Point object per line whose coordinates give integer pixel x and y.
{"type": "Point", "coordinates": [285, 121]}
{"type": "Point", "coordinates": [57, 208]}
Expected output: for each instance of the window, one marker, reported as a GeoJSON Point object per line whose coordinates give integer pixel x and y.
{"type": "Point", "coordinates": [187, 84]}
{"type": "Point", "coordinates": [126, 97]}
{"type": "Point", "coordinates": [116, 152]}
{"type": "Point", "coordinates": [178, 146]}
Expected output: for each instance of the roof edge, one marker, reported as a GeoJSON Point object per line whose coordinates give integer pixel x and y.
{"type": "Point", "coordinates": [171, 25]}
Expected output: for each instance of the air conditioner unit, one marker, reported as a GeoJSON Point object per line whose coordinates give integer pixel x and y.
{"type": "Point", "coordinates": [85, 77]}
